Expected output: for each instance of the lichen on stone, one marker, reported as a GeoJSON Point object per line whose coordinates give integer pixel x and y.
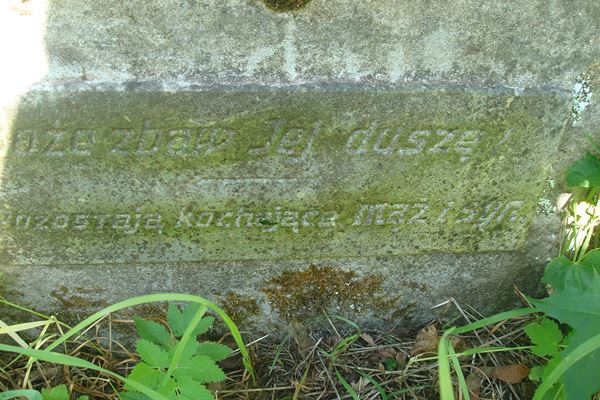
{"type": "Point", "coordinates": [297, 295]}
{"type": "Point", "coordinates": [240, 308]}
{"type": "Point", "coordinates": [583, 90]}
{"type": "Point", "coordinates": [286, 5]}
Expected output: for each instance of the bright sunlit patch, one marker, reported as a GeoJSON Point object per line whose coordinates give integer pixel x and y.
{"type": "Point", "coordinates": [22, 51]}
{"type": "Point", "coordinates": [23, 58]}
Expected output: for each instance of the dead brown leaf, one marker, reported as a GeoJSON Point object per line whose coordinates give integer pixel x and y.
{"type": "Point", "coordinates": [513, 373]}
{"type": "Point", "coordinates": [457, 343]}
{"type": "Point", "coordinates": [427, 341]}
{"type": "Point", "coordinates": [387, 352]}
{"type": "Point", "coordinates": [474, 381]}
{"type": "Point", "coordinates": [368, 338]}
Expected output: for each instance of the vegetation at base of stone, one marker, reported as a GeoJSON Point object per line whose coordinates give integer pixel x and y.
{"type": "Point", "coordinates": [328, 356]}
{"type": "Point", "coordinates": [172, 363]}
{"type": "Point", "coordinates": [567, 332]}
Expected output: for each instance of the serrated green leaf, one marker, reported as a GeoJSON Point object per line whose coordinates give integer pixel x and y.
{"type": "Point", "coordinates": [178, 320]}
{"type": "Point", "coordinates": [188, 351]}
{"type": "Point", "coordinates": [56, 393]}
{"type": "Point", "coordinates": [175, 319]}
{"type": "Point", "coordinates": [152, 354]}
{"type": "Point", "coordinates": [132, 396]}
{"type": "Point", "coordinates": [585, 172]}
{"type": "Point", "coordinates": [204, 325]}
{"type": "Point", "coordinates": [201, 369]}
{"type": "Point", "coordinates": [215, 351]}
{"type": "Point", "coordinates": [144, 374]}
{"type": "Point", "coordinates": [152, 331]}
{"type": "Point", "coordinates": [546, 336]}
{"type": "Point", "coordinates": [168, 388]}
{"type": "Point", "coordinates": [193, 390]}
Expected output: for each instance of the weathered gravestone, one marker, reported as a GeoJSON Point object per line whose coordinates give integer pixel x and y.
{"type": "Point", "coordinates": [221, 148]}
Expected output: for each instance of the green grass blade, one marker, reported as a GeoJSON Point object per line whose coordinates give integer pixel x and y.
{"type": "Point", "coordinates": [346, 321]}
{"type": "Point", "coordinates": [278, 351]}
{"type": "Point", "coordinates": [57, 358]}
{"type": "Point", "coordinates": [446, 388]}
{"type": "Point", "coordinates": [410, 389]}
{"type": "Point", "coordinates": [475, 350]}
{"type": "Point", "coordinates": [568, 361]}
{"type": "Point", "coordinates": [347, 386]}
{"type": "Point", "coordinates": [462, 383]}
{"type": "Point", "coordinates": [344, 344]}
{"type": "Point", "coordinates": [519, 312]}
{"type": "Point", "coordinates": [160, 297]}
{"type": "Point", "coordinates": [187, 335]}
{"type": "Point", "coordinates": [23, 327]}
{"type": "Point", "coordinates": [498, 349]}
{"type": "Point", "coordinates": [27, 393]}
{"type": "Point", "coordinates": [375, 384]}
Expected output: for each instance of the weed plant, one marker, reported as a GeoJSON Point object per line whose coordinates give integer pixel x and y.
{"type": "Point", "coordinates": [566, 332]}
{"type": "Point", "coordinates": [173, 365]}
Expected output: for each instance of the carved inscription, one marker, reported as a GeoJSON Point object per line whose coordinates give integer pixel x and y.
{"type": "Point", "coordinates": [127, 223]}
{"type": "Point", "coordinates": [479, 215]}
{"type": "Point", "coordinates": [399, 142]}
{"type": "Point", "coordinates": [280, 139]}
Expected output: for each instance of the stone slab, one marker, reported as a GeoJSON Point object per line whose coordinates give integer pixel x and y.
{"type": "Point", "coordinates": [145, 176]}
{"type": "Point", "coordinates": [406, 143]}
{"type": "Point", "coordinates": [517, 44]}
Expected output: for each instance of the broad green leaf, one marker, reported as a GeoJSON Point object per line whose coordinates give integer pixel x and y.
{"type": "Point", "coordinates": [193, 390]}
{"type": "Point", "coordinates": [152, 331]}
{"type": "Point", "coordinates": [592, 260]}
{"type": "Point", "coordinates": [536, 373]}
{"type": "Point", "coordinates": [152, 354]}
{"type": "Point", "coordinates": [215, 351]}
{"type": "Point", "coordinates": [56, 393]}
{"type": "Point", "coordinates": [568, 365]}
{"type": "Point", "coordinates": [546, 336]}
{"type": "Point", "coordinates": [27, 393]}
{"type": "Point", "coordinates": [83, 398]}
{"type": "Point", "coordinates": [579, 307]}
{"type": "Point", "coordinates": [179, 320]}
{"type": "Point", "coordinates": [562, 272]}
{"type": "Point", "coordinates": [585, 172]}
{"type": "Point", "coordinates": [144, 374]}
{"type": "Point", "coordinates": [201, 369]}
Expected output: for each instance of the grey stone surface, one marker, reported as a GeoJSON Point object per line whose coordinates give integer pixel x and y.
{"type": "Point", "coordinates": [208, 146]}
